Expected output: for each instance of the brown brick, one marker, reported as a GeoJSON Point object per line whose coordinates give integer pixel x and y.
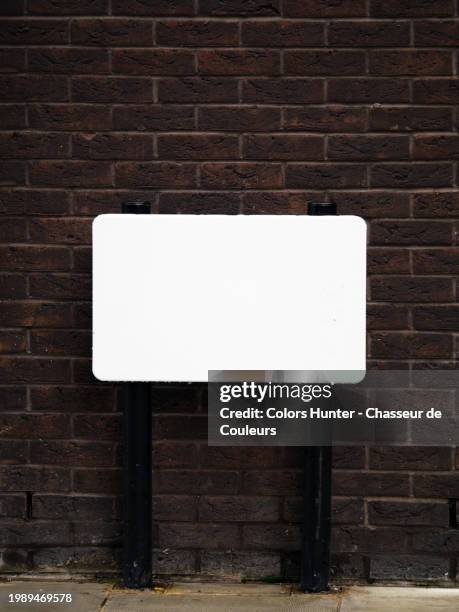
{"type": "Point", "coordinates": [436, 261]}
{"type": "Point", "coordinates": [196, 535]}
{"type": "Point", "coordinates": [78, 559]}
{"type": "Point", "coordinates": [15, 370]}
{"type": "Point", "coordinates": [274, 536]}
{"type": "Point", "coordinates": [238, 62]}
{"type": "Point", "coordinates": [410, 119]}
{"type": "Point", "coordinates": [274, 482]}
{"type": "Point", "coordinates": [239, 118]}
{"type": "Point", "coordinates": [13, 229]}
{"type": "Point", "coordinates": [12, 60]}
{"type": "Point", "coordinates": [107, 426]}
{"type": "Point", "coordinates": [369, 34]}
{"type": "Point", "coordinates": [172, 427]}
{"type": "Point", "coordinates": [27, 534]}
{"type": "Point", "coordinates": [69, 61]}
{"type": "Point", "coordinates": [367, 147]}
{"type": "Point", "coordinates": [315, 63]}
{"type": "Point", "coordinates": [411, 232]}
{"type": "Point", "coordinates": [197, 33]}
{"type": "Point", "coordinates": [283, 33]}
{"type": "Point", "coordinates": [436, 318]}
{"type": "Point", "coordinates": [324, 8]}
{"type": "Point", "coordinates": [411, 289]}
{"type": "Point", "coordinates": [241, 176]}
{"type": "Point", "coordinates": [276, 202]}
{"type": "Point", "coordinates": [70, 117]}
{"type": "Point", "coordinates": [202, 482]}
{"type": "Point", "coordinates": [325, 119]}
{"type": "Point", "coordinates": [60, 286]}
{"type": "Point", "coordinates": [26, 478]}
{"type": "Point", "coordinates": [242, 563]}
{"type": "Point", "coordinates": [12, 7]}
{"type": "Point", "coordinates": [174, 508]}
{"type": "Point", "coordinates": [33, 145]}
{"type": "Point", "coordinates": [372, 204]}
{"type": "Point", "coordinates": [344, 511]}
{"type": "Point", "coordinates": [12, 341]}
{"type": "Point", "coordinates": [244, 8]}
{"type": "Point", "coordinates": [34, 202]}
{"type": "Point", "coordinates": [111, 32]}
{"type": "Point", "coordinates": [13, 452]}
{"type": "Point", "coordinates": [73, 399]}
{"type": "Point", "coordinates": [34, 88]}
{"type": "Point", "coordinates": [196, 89]}
{"type": "Point", "coordinates": [239, 509]}
{"type": "Point", "coordinates": [199, 203]}
{"type": "Point", "coordinates": [153, 62]}
{"type": "Point", "coordinates": [100, 482]}
{"type": "Point", "coordinates": [436, 540]}
{"type": "Point", "coordinates": [198, 146]}
{"type": "Point", "coordinates": [436, 147]}
{"type": "Point", "coordinates": [72, 453]}
{"type": "Point", "coordinates": [410, 458]}
{"type": "Point", "coordinates": [348, 457]}
{"type": "Point", "coordinates": [411, 346]}
{"type": "Point", "coordinates": [34, 32]}
{"type": "Point", "coordinates": [352, 484]}
{"type": "Point", "coordinates": [12, 173]}
{"type": "Point", "coordinates": [407, 513]}
{"type": "Point", "coordinates": [13, 116]}
{"type": "Point", "coordinates": [35, 314]}
{"type": "Point", "coordinates": [157, 8]}
{"type": "Point", "coordinates": [364, 90]}
{"type": "Point", "coordinates": [410, 62]}
{"type": "Point", "coordinates": [278, 147]}
{"type": "Point", "coordinates": [436, 91]}
{"type": "Point", "coordinates": [173, 455]}
{"type": "Point", "coordinates": [12, 506]}
{"type": "Point", "coordinates": [71, 173]}
{"type": "Point", "coordinates": [111, 89]}
{"type": "Point", "coordinates": [384, 316]}
{"type": "Point", "coordinates": [67, 7]}
{"type": "Point", "coordinates": [324, 176]}
{"type": "Point", "coordinates": [411, 8]}
{"type": "Point", "coordinates": [35, 258]}
{"type": "Point", "coordinates": [153, 117]}
{"type": "Point", "coordinates": [440, 204]}
{"type": "Point", "coordinates": [80, 507]}
{"type": "Point", "coordinates": [436, 33]}
{"type": "Point", "coordinates": [412, 175]}
{"type": "Point", "coordinates": [65, 343]}
{"type": "Point", "coordinates": [278, 91]}
{"type": "Point", "coordinates": [12, 286]}
{"type": "Point", "coordinates": [182, 400]}
{"type": "Point", "coordinates": [436, 485]}
{"type": "Point", "coordinates": [16, 426]}
{"type": "Point", "coordinates": [112, 146]}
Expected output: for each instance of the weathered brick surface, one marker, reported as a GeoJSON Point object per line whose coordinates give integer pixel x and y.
{"type": "Point", "coordinates": [221, 107]}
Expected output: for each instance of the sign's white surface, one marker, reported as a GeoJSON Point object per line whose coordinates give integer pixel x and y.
{"type": "Point", "coordinates": [177, 295]}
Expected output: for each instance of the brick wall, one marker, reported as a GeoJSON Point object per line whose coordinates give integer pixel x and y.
{"type": "Point", "coordinates": [253, 106]}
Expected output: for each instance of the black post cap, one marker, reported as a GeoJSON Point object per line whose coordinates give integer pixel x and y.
{"type": "Point", "coordinates": [136, 207]}
{"type": "Point", "coordinates": [322, 208]}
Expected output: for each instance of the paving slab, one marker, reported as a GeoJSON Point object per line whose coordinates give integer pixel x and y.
{"type": "Point", "coordinates": [399, 599]}
{"type": "Point", "coordinates": [86, 597]}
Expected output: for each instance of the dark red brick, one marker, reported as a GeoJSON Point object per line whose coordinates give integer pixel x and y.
{"type": "Point", "coordinates": [436, 91]}
{"type": "Point", "coordinates": [197, 33]}
{"type": "Point", "coordinates": [436, 261]}
{"type": "Point", "coordinates": [199, 202]}
{"type": "Point", "coordinates": [367, 147]}
{"type": "Point", "coordinates": [325, 176]}
{"type": "Point", "coordinates": [16, 426]}
{"type": "Point", "coordinates": [157, 8]}
{"type": "Point", "coordinates": [244, 8]}
{"type": "Point", "coordinates": [198, 146]}
{"type": "Point", "coordinates": [276, 202]}
{"type": "Point", "coordinates": [60, 286]}
{"type": "Point", "coordinates": [152, 175]}
{"type": "Point", "coordinates": [75, 117]}
{"type": "Point", "coordinates": [439, 204]}
{"type": "Point", "coordinates": [34, 88]}
{"type": "Point", "coordinates": [238, 509]}
{"type": "Point", "coordinates": [241, 176]}
{"type": "Point", "coordinates": [436, 147]}
{"type": "Point", "coordinates": [325, 8]}
{"type": "Point", "coordinates": [238, 62]}
{"type": "Point", "coordinates": [67, 7]}
{"type": "Point", "coordinates": [35, 202]}
{"type": "Point", "coordinates": [62, 342]}
{"type": "Point", "coordinates": [112, 89]}
{"type": "Point", "coordinates": [34, 145]}
{"type": "Point", "coordinates": [27, 478]}
{"type": "Point", "coordinates": [411, 346]}
{"type": "Point", "coordinates": [108, 427]}
{"type": "Point", "coordinates": [352, 484]}
{"type": "Point", "coordinates": [153, 62]}
{"type": "Point", "coordinates": [111, 32]}
{"type": "Point", "coordinates": [410, 119]}
{"type": "Point", "coordinates": [12, 341]}
{"type": "Point", "coordinates": [369, 34]}
{"type": "Point", "coordinates": [385, 316]}
{"type": "Point", "coordinates": [196, 89]}
{"type": "Point", "coordinates": [411, 232]}
{"type": "Point", "coordinates": [410, 458]}
{"type": "Point", "coordinates": [68, 453]}
{"type": "Point", "coordinates": [283, 33]}
{"type": "Point", "coordinates": [411, 175]}
{"type": "Point", "coordinates": [325, 119]}
{"type": "Point", "coordinates": [34, 32]}
{"type": "Point", "coordinates": [12, 7]}
{"type": "Point", "coordinates": [36, 314]}
{"type": "Point", "coordinates": [13, 229]}
{"type": "Point", "coordinates": [436, 33]}
{"type": "Point", "coordinates": [13, 116]}
{"type": "Point", "coordinates": [436, 318]}
{"type": "Point", "coordinates": [100, 482]}
{"type": "Point", "coordinates": [12, 60]}
{"type": "Point", "coordinates": [69, 61]}
{"type": "Point", "coordinates": [278, 147]}
{"type": "Point", "coordinates": [153, 117]}
{"type": "Point", "coordinates": [12, 173]}
{"type": "Point", "coordinates": [13, 286]}
{"type": "Point", "coordinates": [273, 536]}
{"type": "Point", "coordinates": [35, 258]}
{"type": "Point", "coordinates": [283, 91]}
{"type": "Point", "coordinates": [112, 146]}
{"type": "Point", "coordinates": [58, 507]}
{"type": "Point", "coordinates": [73, 399]}
{"type": "Point", "coordinates": [410, 62]}
{"type": "Point", "coordinates": [318, 63]}
{"type": "Point", "coordinates": [71, 174]}
{"type": "Point", "coordinates": [367, 90]}
{"type": "Point", "coordinates": [239, 118]}
{"type": "Point", "coordinates": [407, 513]}
{"type": "Point", "coordinates": [372, 204]}
{"type": "Point", "coordinates": [411, 289]}
{"type": "Point", "coordinates": [411, 8]}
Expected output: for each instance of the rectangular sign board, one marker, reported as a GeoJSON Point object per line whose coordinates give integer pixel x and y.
{"type": "Point", "coordinates": [177, 295]}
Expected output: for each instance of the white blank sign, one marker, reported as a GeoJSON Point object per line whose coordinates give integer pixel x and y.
{"type": "Point", "coordinates": [177, 295]}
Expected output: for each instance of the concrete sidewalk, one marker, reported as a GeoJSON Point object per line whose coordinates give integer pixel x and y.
{"type": "Point", "coordinates": [202, 597]}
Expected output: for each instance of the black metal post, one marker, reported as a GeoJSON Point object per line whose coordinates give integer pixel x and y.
{"type": "Point", "coordinates": [315, 549]}
{"type": "Point", "coordinates": [137, 477]}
